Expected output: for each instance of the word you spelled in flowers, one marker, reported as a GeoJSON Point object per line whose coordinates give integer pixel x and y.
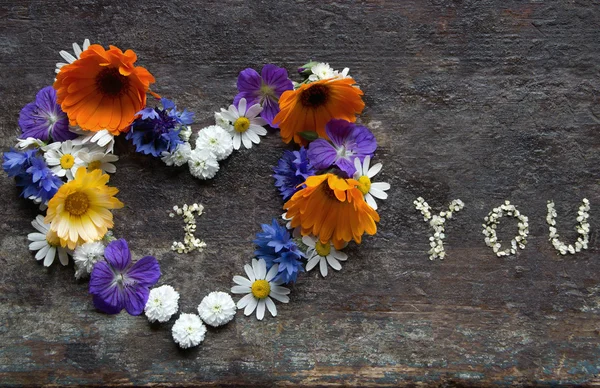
{"type": "Point", "coordinates": [64, 156]}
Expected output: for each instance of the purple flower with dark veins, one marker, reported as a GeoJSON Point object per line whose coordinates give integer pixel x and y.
{"type": "Point", "coordinates": [348, 141]}
{"type": "Point", "coordinates": [118, 284]}
{"type": "Point", "coordinates": [264, 89]}
{"type": "Point", "coordinates": [44, 119]}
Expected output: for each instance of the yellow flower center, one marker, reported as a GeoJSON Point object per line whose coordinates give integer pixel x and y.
{"type": "Point", "coordinates": [266, 91]}
{"type": "Point", "coordinates": [364, 184]}
{"type": "Point", "coordinates": [261, 289]}
{"type": "Point", "coordinates": [95, 165]}
{"type": "Point", "coordinates": [67, 161]}
{"type": "Point", "coordinates": [52, 239]}
{"type": "Point", "coordinates": [77, 203]}
{"type": "Point", "coordinates": [241, 125]}
{"type": "Point", "coordinates": [322, 249]}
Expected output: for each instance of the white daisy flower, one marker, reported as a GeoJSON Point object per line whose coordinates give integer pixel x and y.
{"type": "Point", "coordinates": [162, 303]}
{"type": "Point", "coordinates": [98, 160]}
{"type": "Point", "coordinates": [363, 175]}
{"type": "Point", "coordinates": [260, 288]}
{"type": "Point", "coordinates": [203, 164]}
{"type": "Point", "coordinates": [46, 243]}
{"type": "Point", "coordinates": [322, 254]}
{"type": "Point", "coordinates": [103, 139]}
{"type": "Point", "coordinates": [217, 308]}
{"type": "Point", "coordinates": [32, 142]}
{"type": "Point", "coordinates": [63, 158]}
{"type": "Point", "coordinates": [85, 256]}
{"type": "Point", "coordinates": [215, 139]}
{"type": "Point", "coordinates": [321, 71]}
{"type": "Point", "coordinates": [221, 121]}
{"type": "Point", "coordinates": [246, 127]}
{"type": "Point", "coordinates": [70, 58]}
{"type": "Point", "coordinates": [188, 330]}
{"type": "Point", "coordinates": [185, 133]}
{"type": "Point", "coordinates": [179, 157]}
{"type": "Point", "coordinates": [343, 74]}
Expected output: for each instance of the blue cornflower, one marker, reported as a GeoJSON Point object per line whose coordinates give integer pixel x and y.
{"type": "Point", "coordinates": [16, 163]}
{"type": "Point", "coordinates": [32, 174]}
{"type": "Point", "coordinates": [275, 245]}
{"type": "Point", "coordinates": [292, 170]}
{"type": "Point", "coordinates": [157, 130]}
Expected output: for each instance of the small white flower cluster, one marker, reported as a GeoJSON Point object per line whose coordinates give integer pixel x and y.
{"type": "Point", "coordinates": [493, 219]}
{"type": "Point", "coordinates": [190, 242]}
{"type": "Point", "coordinates": [85, 256]}
{"type": "Point", "coordinates": [216, 309]}
{"type": "Point", "coordinates": [583, 229]}
{"type": "Point", "coordinates": [437, 222]}
{"type": "Point", "coordinates": [322, 71]}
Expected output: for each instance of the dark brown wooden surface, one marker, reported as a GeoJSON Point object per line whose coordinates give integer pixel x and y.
{"type": "Point", "coordinates": [478, 100]}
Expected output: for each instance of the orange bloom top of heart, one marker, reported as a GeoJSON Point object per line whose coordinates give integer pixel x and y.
{"type": "Point", "coordinates": [103, 89]}
{"type": "Point", "coordinates": [333, 209]}
{"type": "Point", "coordinates": [312, 105]}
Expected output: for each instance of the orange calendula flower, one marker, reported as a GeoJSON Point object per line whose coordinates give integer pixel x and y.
{"type": "Point", "coordinates": [79, 211]}
{"type": "Point", "coordinates": [333, 209]}
{"type": "Point", "coordinates": [103, 89]}
{"type": "Point", "coordinates": [311, 106]}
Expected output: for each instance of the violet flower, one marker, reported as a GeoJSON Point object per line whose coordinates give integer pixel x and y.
{"type": "Point", "coordinates": [44, 119]}
{"type": "Point", "coordinates": [264, 89]}
{"type": "Point", "coordinates": [348, 141]}
{"type": "Point", "coordinates": [118, 284]}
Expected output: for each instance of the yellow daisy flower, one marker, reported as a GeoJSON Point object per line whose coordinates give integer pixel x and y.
{"type": "Point", "coordinates": [79, 211]}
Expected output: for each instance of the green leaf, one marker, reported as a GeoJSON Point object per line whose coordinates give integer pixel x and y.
{"type": "Point", "coordinates": [309, 135]}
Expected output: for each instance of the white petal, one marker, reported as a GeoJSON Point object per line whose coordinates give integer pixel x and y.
{"type": "Point", "coordinates": [272, 273]}
{"type": "Point", "coordinates": [271, 306]}
{"type": "Point", "coordinates": [253, 111]}
{"type": "Point", "coordinates": [370, 201]}
{"type": "Point", "coordinates": [63, 257]}
{"type": "Point", "coordinates": [50, 257]}
{"type": "Point", "coordinates": [42, 252]}
{"type": "Point", "coordinates": [86, 44]}
{"type": "Point", "coordinates": [250, 273]}
{"type": "Point", "coordinates": [240, 289]}
{"type": "Point", "coordinates": [377, 193]}
{"type": "Point", "coordinates": [258, 129]}
{"type": "Point", "coordinates": [366, 162]}
{"type": "Point", "coordinates": [309, 241]}
{"type": "Point", "coordinates": [230, 116]}
{"type": "Point", "coordinates": [341, 256]}
{"type": "Point", "coordinates": [262, 269]}
{"type": "Point", "coordinates": [323, 266]}
{"type": "Point", "coordinates": [36, 237]}
{"type": "Point", "coordinates": [246, 141]}
{"type": "Point", "coordinates": [253, 136]}
{"type": "Point", "coordinates": [242, 107]}
{"type": "Point", "coordinates": [358, 168]}
{"type": "Point", "coordinates": [260, 310]}
{"type": "Point", "coordinates": [279, 297]}
{"type": "Point", "coordinates": [374, 170]}
{"type": "Point", "coordinates": [312, 263]}
{"type": "Point", "coordinates": [67, 57]}
{"type": "Point", "coordinates": [76, 50]}
{"type": "Point", "coordinates": [244, 301]}
{"type": "Point", "coordinates": [333, 263]}
{"type": "Point", "coordinates": [242, 281]}
{"type": "Point", "coordinates": [237, 141]}
{"type": "Point", "coordinates": [280, 290]}
{"type": "Point", "coordinates": [37, 245]}
{"type": "Point", "coordinates": [250, 307]}
{"type": "Point", "coordinates": [259, 121]}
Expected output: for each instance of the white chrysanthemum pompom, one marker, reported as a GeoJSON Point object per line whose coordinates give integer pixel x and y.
{"type": "Point", "coordinates": [162, 303]}
{"type": "Point", "coordinates": [222, 121]}
{"type": "Point", "coordinates": [217, 308]}
{"type": "Point", "coordinates": [86, 255]}
{"type": "Point", "coordinates": [215, 139]}
{"type": "Point", "coordinates": [203, 164]}
{"type": "Point", "coordinates": [179, 157]}
{"type": "Point", "coordinates": [185, 133]}
{"type": "Point", "coordinates": [188, 330]}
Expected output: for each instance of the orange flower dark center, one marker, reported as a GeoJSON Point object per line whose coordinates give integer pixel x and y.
{"type": "Point", "coordinates": [315, 96]}
{"type": "Point", "coordinates": [77, 203]}
{"type": "Point", "coordinates": [328, 191]}
{"type": "Point", "coordinates": [111, 83]}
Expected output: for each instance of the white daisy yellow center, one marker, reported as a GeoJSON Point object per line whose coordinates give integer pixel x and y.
{"type": "Point", "coordinates": [77, 203]}
{"type": "Point", "coordinates": [95, 165]}
{"type": "Point", "coordinates": [261, 289]}
{"type": "Point", "coordinates": [322, 249]}
{"type": "Point", "coordinates": [241, 125]}
{"type": "Point", "coordinates": [67, 161]}
{"type": "Point", "coordinates": [364, 184]}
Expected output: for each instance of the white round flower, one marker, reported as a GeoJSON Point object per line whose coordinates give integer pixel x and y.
{"type": "Point", "coordinates": [246, 127]}
{"type": "Point", "coordinates": [97, 160]}
{"type": "Point", "coordinates": [217, 308]}
{"type": "Point", "coordinates": [46, 243]}
{"type": "Point", "coordinates": [322, 254]}
{"type": "Point", "coordinates": [203, 164]}
{"type": "Point", "coordinates": [260, 288]}
{"type": "Point", "coordinates": [63, 158]}
{"type": "Point", "coordinates": [369, 189]}
{"type": "Point", "coordinates": [86, 255]}
{"type": "Point", "coordinates": [188, 330]}
{"type": "Point", "coordinates": [321, 71]}
{"type": "Point", "coordinates": [185, 133]}
{"type": "Point", "coordinates": [179, 157]}
{"type": "Point", "coordinates": [215, 139]}
{"type": "Point", "coordinates": [221, 121]}
{"type": "Point", "coordinates": [162, 303]}
{"type": "Point", "coordinates": [70, 58]}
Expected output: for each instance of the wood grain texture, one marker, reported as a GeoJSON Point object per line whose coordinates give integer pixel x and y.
{"type": "Point", "coordinates": [478, 100]}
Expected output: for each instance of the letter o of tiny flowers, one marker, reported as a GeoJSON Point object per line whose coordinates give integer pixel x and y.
{"type": "Point", "coordinates": [217, 308]}
{"type": "Point", "coordinates": [188, 330]}
{"type": "Point", "coordinates": [162, 303]}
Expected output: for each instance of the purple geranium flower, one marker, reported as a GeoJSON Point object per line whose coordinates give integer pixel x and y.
{"type": "Point", "coordinates": [264, 89]}
{"type": "Point", "coordinates": [44, 119]}
{"type": "Point", "coordinates": [348, 141]}
{"type": "Point", "coordinates": [118, 284]}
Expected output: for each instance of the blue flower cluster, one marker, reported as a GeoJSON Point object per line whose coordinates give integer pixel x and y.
{"type": "Point", "coordinates": [276, 246]}
{"type": "Point", "coordinates": [292, 170]}
{"type": "Point", "coordinates": [157, 130]}
{"type": "Point", "coordinates": [32, 174]}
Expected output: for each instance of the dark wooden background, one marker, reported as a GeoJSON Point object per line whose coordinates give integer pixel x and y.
{"type": "Point", "coordinates": [478, 100]}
